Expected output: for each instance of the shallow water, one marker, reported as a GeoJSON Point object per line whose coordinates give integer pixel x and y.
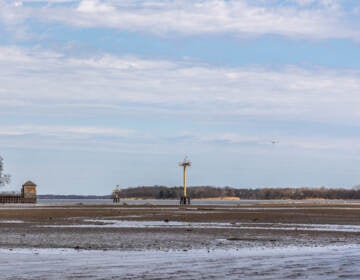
{"type": "Point", "coordinates": [11, 221]}
{"type": "Point", "coordinates": [173, 224]}
{"type": "Point", "coordinates": [331, 262]}
{"type": "Point", "coordinates": [175, 202]}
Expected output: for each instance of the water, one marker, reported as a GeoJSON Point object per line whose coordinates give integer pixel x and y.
{"type": "Point", "coordinates": [176, 202]}
{"type": "Point", "coordinates": [174, 224]}
{"type": "Point", "coordinates": [139, 201]}
{"type": "Point", "coordinates": [329, 262]}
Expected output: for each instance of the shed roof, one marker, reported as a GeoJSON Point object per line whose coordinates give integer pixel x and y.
{"type": "Point", "coordinates": [29, 184]}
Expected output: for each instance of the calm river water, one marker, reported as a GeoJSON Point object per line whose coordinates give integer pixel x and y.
{"type": "Point", "coordinates": [176, 202]}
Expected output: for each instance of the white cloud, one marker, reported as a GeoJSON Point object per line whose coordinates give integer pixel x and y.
{"type": "Point", "coordinates": [325, 20]}
{"type": "Point", "coordinates": [12, 16]}
{"type": "Point", "coordinates": [109, 83]}
{"type": "Point", "coordinates": [333, 4]}
{"type": "Point", "coordinates": [309, 142]}
{"type": "Point", "coordinates": [268, 139]}
{"type": "Point", "coordinates": [14, 54]}
{"type": "Point", "coordinates": [36, 84]}
{"type": "Point", "coordinates": [114, 139]}
{"type": "Point", "coordinates": [61, 130]}
{"type": "Point", "coordinates": [18, 3]}
{"type": "Point", "coordinates": [122, 63]}
{"type": "Point", "coordinates": [94, 6]}
{"type": "Point", "coordinates": [68, 137]}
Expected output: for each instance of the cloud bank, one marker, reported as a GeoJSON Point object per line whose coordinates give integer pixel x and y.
{"type": "Point", "coordinates": [38, 83]}
{"type": "Point", "coordinates": [37, 78]}
{"type": "Point", "coordinates": [296, 19]}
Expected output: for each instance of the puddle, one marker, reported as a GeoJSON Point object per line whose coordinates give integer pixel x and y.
{"type": "Point", "coordinates": [11, 222]}
{"type": "Point", "coordinates": [173, 224]}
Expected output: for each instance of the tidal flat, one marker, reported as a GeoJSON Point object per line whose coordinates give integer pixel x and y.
{"type": "Point", "coordinates": [256, 241]}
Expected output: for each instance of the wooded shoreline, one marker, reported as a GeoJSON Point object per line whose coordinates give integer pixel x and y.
{"type": "Point", "coordinates": [163, 192]}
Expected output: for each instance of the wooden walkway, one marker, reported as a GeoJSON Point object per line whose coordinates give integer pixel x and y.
{"type": "Point", "coordinates": [16, 199]}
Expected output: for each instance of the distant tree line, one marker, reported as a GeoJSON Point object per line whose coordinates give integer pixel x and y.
{"type": "Point", "coordinates": [158, 192]}
{"type": "Point", "coordinates": [164, 192]}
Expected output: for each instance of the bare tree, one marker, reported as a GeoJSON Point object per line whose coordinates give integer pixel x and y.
{"type": "Point", "coordinates": [4, 178]}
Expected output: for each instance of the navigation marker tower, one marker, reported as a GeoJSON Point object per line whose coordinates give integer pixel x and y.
{"type": "Point", "coordinates": [184, 199]}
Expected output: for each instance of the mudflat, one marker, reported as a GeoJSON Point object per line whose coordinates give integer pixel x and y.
{"type": "Point", "coordinates": [159, 227]}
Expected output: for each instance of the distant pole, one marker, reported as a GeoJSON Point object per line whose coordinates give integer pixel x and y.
{"type": "Point", "coordinates": [184, 180]}
{"type": "Point", "coordinates": [184, 199]}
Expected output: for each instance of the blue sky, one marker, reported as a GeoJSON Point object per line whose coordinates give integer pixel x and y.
{"type": "Point", "coordinates": [98, 93]}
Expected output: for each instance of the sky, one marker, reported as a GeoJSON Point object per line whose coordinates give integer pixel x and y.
{"type": "Point", "coordinates": [257, 93]}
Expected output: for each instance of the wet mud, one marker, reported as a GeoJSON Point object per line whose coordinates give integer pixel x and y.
{"type": "Point", "coordinates": [151, 227]}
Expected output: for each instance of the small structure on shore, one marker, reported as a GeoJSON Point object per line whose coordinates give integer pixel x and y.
{"type": "Point", "coordinates": [28, 195]}
{"type": "Point", "coordinates": [116, 194]}
{"type": "Point", "coordinates": [184, 199]}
